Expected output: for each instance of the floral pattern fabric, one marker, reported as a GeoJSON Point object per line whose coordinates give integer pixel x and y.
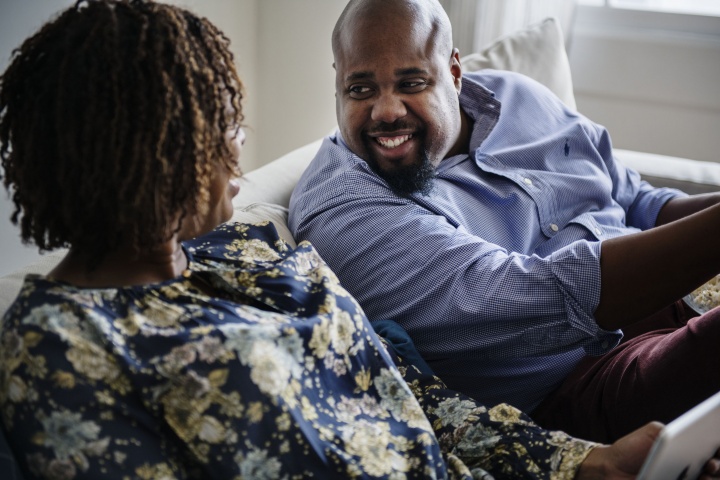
{"type": "Point", "coordinates": [255, 363]}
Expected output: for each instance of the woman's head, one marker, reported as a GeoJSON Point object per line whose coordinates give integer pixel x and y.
{"type": "Point", "coordinates": [115, 120]}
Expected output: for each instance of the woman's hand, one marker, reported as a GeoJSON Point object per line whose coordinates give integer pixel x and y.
{"type": "Point", "coordinates": [624, 458]}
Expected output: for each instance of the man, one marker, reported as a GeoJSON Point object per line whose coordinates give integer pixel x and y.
{"type": "Point", "coordinates": [496, 227]}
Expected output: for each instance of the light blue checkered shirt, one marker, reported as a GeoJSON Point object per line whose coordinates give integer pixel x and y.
{"type": "Point", "coordinates": [495, 274]}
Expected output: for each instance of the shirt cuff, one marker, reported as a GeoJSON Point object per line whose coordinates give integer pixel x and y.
{"type": "Point", "coordinates": [577, 270]}
{"type": "Point", "coordinates": [644, 212]}
{"type": "Point", "coordinates": [572, 453]}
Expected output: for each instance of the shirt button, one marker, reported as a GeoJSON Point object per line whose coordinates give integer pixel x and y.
{"type": "Point", "coordinates": [528, 181]}
{"type": "Point", "coordinates": [597, 231]}
{"type": "Point", "coordinates": [554, 227]}
{"type": "Point", "coordinates": [604, 345]}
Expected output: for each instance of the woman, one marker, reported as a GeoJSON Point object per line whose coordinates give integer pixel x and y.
{"type": "Point", "coordinates": [168, 344]}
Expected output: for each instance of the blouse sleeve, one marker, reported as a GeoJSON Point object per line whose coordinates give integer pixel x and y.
{"type": "Point", "coordinates": [70, 410]}
{"type": "Point", "coordinates": [500, 441]}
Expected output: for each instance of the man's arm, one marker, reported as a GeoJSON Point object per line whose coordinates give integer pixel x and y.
{"type": "Point", "coordinates": [646, 271]}
{"type": "Point", "coordinates": [681, 207]}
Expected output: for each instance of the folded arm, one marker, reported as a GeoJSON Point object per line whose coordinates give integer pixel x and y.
{"type": "Point", "coordinates": [644, 272]}
{"type": "Point", "coordinates": [681, 207]}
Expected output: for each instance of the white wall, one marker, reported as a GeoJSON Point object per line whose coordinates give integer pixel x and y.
{"type": "Point", "coordinates": [282, 51]}
{"type": "Point", "coordinates": [284, 57]}
{"type": "Point", "coordinates": [297, 91]}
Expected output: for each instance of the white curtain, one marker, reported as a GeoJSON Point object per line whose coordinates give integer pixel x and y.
{"type": "Point", "coordinates": [476, 23]}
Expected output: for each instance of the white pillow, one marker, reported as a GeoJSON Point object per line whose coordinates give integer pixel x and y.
{"type": "Point", "coordinates": [259, 213]}
{"type": "Point", "coordinates": [537, 51]}
{"type": "Point", "coordinates": [274, 182]}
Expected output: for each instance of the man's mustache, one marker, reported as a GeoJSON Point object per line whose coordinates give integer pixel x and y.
{"type": "Point", "coordinates": [383, 127]}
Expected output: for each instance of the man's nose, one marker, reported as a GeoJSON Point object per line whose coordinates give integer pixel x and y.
{"type": "Point", "coordinates": [388, 107]}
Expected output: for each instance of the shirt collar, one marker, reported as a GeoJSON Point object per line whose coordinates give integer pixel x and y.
{"type": "Point", "coordinates": [482, 107]}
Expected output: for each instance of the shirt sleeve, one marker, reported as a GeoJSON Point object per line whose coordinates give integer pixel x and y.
{"type": "Point", "coordinates": [641, 201]}
{"type": "Point", "coordinates": [454, 292]}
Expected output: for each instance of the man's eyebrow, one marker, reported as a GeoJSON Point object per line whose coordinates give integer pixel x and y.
{"type": "Point", "coordinates": [359, 76]}
{"type": "Point", "coordinates": [401, 72]}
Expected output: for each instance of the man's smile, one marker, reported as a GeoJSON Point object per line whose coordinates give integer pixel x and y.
{"type": "Point", "coordinates": [392, 142]}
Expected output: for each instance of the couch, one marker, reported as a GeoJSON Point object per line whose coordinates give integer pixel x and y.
{"type": "Point", "coordinates": [537, 51]}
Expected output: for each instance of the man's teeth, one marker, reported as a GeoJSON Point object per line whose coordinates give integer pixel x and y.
{"type": "Point", "coordinates": [392, 142]}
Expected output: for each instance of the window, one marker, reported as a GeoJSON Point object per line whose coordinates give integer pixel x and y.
{"type": "Point", "coordinates": [691, 18]}
{"type": "Point", "coordinates": [691, 7]}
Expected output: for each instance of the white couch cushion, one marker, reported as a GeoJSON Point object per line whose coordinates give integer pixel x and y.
{"type": "Point", "coordinates": [274, 182]}
{"type": "Point", "coordinates": [260, 213]}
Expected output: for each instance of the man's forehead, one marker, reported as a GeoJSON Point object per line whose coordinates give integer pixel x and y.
{"type": "Point", "coordinates": [356, 65]}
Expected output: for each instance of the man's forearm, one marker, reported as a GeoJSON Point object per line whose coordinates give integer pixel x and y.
{"type": "Point", "coordinates": [646, 271]}
{"type": "Point", "coordinates": [678, 208]}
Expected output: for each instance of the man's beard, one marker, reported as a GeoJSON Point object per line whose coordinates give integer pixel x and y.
{"type": "Point", "coordinates": [408, 179]}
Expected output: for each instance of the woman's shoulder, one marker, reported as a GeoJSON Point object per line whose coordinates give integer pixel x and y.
{"type": "Point", "coordinates": [35, 291]}
{"type": "Point", "coordinates": [233, 241]}
{"type": "Point", "coordinates": [41, 299]}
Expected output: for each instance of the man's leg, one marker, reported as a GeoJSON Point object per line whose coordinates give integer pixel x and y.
{"type": "Point", "coordinates": [656, 375]}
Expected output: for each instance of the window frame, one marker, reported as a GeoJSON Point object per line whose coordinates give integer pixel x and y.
{"type": "Point", "coordinates": [607, 16]}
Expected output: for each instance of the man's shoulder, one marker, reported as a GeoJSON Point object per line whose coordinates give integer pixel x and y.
{"type": "Point", "coordinates": [334, 174]}
{"type": "Point", "coordinates": [501, 80]}
{"type": "Point", "coordinates": [525, 97]}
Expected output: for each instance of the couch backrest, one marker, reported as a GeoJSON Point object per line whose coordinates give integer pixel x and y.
{"type": "Point", "coordinates": [273, 183]}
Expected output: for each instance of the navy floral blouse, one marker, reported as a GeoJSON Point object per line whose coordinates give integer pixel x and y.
{"type": "Point", "coordinates": [276, 374]}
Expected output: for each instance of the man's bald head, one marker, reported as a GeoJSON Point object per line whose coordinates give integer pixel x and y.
{"type": "Point", "coordinates": [421, 16]}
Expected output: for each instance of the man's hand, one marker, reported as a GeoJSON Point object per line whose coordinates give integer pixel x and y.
{"type": "Point", "coordinates": [623, 459]}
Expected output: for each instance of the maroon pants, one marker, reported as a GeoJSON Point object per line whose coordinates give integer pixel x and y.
{"type": "Point", "coordinates": [666, 364]}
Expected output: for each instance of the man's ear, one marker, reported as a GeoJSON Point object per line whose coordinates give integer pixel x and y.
{"type": "Point", "coordinates": [456, 69]}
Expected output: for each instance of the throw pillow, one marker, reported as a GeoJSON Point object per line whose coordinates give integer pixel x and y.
{"type": "Point", "coordinates": [260, 213]}
{"type": "Point", "coordinates": [537, 51]}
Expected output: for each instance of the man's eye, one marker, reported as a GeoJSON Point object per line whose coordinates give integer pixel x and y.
{"type": "Point", "coordinates": [359, 91]}
{"type": "Point", "coordinates": [413, 85]}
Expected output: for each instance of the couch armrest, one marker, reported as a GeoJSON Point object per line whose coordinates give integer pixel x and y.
{"type": "Point", "coordinates": [690, 176]}
{"type": "Point", "coordinates": [274, 182]}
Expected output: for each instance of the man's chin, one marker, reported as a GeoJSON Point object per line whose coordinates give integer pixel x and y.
{"type": "Point", "coordinates": [405, 180]}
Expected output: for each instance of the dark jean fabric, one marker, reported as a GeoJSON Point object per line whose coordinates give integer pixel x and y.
{"type": "Point", "coordinates": [400, 341]}
{"type": "Point", "coordinates": [665, 365]}
{"type": "Point", "coordinates": [9, 468]}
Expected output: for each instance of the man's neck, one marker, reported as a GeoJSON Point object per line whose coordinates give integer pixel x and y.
{"type": "Point", "coordinates": [462, 145]}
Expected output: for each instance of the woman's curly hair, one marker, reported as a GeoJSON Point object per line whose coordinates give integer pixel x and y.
{"type": "Point", "coordinates": [112, 118]}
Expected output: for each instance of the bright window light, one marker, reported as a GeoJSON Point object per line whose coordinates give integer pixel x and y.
{"type": "Point", "coordinates": [692, 7]}
{"type": "Point", "coordinates": [695, 7]}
